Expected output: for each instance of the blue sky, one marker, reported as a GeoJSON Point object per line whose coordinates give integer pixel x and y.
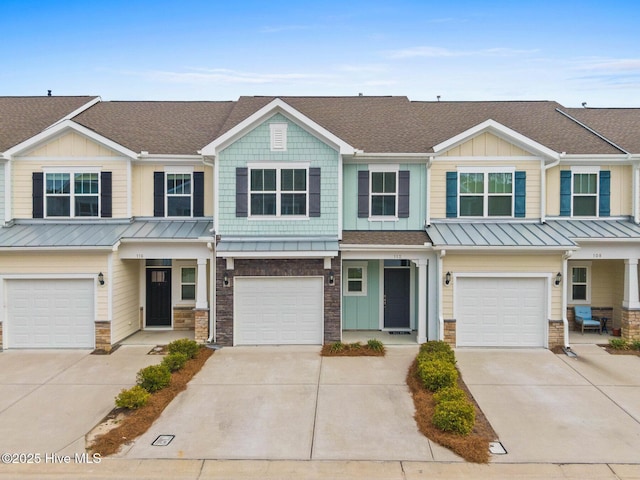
{"type": "Point", "coordinates": [571, 52]}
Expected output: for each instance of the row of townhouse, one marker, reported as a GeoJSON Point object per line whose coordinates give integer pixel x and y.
{"type": "Point", "coordinates": [292, 220]}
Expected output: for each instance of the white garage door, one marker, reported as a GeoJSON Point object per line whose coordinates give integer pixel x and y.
{"type": "Point", "coordinates": [50, 313]}
{"type": "Point", "coordinates": [500, 312]}
{"type": "Point", "coordinates": [278, 310]}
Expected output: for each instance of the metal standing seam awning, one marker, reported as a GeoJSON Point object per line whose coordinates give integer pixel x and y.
{"type": "Point", "coordinates": [277, 247]}
{"type": "Point", "coordinates": [49, 235]}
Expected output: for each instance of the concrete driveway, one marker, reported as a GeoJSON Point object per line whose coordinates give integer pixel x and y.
{"type": "Point", "coordinates": [49, 399]}
{"type": "Point", "coordinates": [290, 403]}
{"type": "Point", "coordinates": [556, 409]}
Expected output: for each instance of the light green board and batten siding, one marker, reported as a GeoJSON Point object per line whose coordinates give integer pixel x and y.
{"type": "Point", "coordinates": [254, 147]}
{"type": "Point", "coordinates": [363, 312]}
{"type": "Point", "coordinates": [417, 200]}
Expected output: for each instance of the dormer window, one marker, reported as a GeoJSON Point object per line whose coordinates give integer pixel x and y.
{"type": "Point", "coordinates": [278, 137]}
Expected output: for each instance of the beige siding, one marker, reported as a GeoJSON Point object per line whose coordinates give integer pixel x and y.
{"type": "Point", "coordinates": [72, 144]}
{"type": "Point", "coordinates": [621, 189]}
{"type": "Point", "coordinates": [126, 298]}
{"type": "Point", "coordinates": [488, 145]}
{"type": "Point", "coordinates": [439, 171]}
{"type": "Point", "coordinates": [142, 191]}
{"type": "Point", "coordinates": [22, 189]}
{"type": "Point", "coordinates": [67, 263]}
{"type": "Point", "coordinates": [491, 264]}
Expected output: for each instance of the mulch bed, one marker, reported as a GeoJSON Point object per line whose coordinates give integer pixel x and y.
{"type": "Point", "coordinates": [473, 447]}
{"type": "Point", "coordinates": [614, 351]}
{"type": "Point", "coordinates": [352, 351]}
{"type": "Point", "coordinates": [137, 422]}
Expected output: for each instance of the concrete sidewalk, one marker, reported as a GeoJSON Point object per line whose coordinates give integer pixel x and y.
{"type": "Point", "coordinates": [316, 470]}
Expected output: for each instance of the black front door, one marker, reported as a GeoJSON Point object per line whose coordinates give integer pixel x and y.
{"type": "Point", "coordinates": [158, 297]}
{"type": "Point", "coordinates": [397, 295]}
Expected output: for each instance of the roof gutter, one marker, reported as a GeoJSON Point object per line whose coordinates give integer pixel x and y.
{"type": "Point", "coordinates": [565, 320]}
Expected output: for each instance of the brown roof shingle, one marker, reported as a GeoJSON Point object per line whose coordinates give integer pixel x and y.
{"type": "Point", "coordinates": [620, 125]}
{"type": "Point", "coordinates": [366, 237]}
{"type": "Point", "coordinates": [23, 117]}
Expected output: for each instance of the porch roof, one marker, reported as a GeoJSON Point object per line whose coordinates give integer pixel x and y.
{"type": "Point", "coordinates": [277, 246]}
{"type": "Point", "coordinates": [600, 229]}
{"type": "Point", "coordinates": [497, 234]}
{"type": "Point", "coordinates": [105, 234]}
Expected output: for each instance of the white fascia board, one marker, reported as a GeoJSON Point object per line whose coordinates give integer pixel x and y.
{"type": "Point", "coordinates": [283, 254]}
{"type": "Point", "coordinates": [362, 247]}
{"type": "Point", "coordinates": [60, 128]}
{"type": "Point", "coordinates": [77, 111]}
{"type": "Point", "coordinates": [499, 131]}
{"type": "Point", "coordinates": [508, 249]}
{"type": "Point", "coordinates": [389, 157]}
{"type": "Point", "coordinates": [574, 159]}
{"type": "Point", "coordinates": [274, 107]}
{"type": "Point", "coordinates": [58, 249]}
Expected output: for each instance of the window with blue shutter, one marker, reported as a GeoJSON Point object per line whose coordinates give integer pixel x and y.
{"type": "Point", "coordinates": [403, 193]}
{"type": "Point", "coordinates": [520, 206]}
{"type": "Point", "coordinates": [605, 194]}
{"type": "Point", "coordinates": [106, 195]}
{"type": "Point", "coordinates": [565, 193]}
{"type": "Point", "coordinates": [363, 194]}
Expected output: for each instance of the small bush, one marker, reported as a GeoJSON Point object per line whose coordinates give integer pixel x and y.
{"type": "Point", "coordinates": [449, 394]}
{"type": "Point", "coordinates": [184, 345]}
{"type": "Point", "coordinates": [375, 345]}
{"type": "Point", "coordinates": [455, 416]}
{"type": "Point", "coordinates": [154, 377]}
{"type": "Point", "coordinates": [175, 361]}
{"type": "Point", "coordinates": [354, 346]}
{"type": "Point", "coordinates": [133, 398]}
{"type": "Point", "coordinates": [635, 345]}
{"type": "Point", "coordinates": [337, 347]}
{"type": "Point", "coordinates": [436, 373]}
{"type": "Point", "coordinates": [619, 344]}
{"type": "Point", "coordinates": [437, 349]}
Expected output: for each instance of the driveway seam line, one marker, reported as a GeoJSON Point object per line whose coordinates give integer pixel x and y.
{"type": "Point", "coordinates": [315, 415]}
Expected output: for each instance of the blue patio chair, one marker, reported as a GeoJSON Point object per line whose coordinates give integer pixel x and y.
{"type": "Point", "coordinates": [583, 317]}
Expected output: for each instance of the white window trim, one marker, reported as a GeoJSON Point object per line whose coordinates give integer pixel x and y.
{"type": "Point", "coordinates": [195, 286]}
{"type": "Point", "coordinates": [167, 195]}
{"type": "Point", "coordinates": [278, 137]}
{"type": "Point", "coordinates": [278, 167]}
{"type": "Point", "coordinates": [383, 169]}
{"type": "Point", "coordinates": [346, 267]}
{"type": "Point", "coordinates": [485, 171]}
{"type": "Point", "coordinates": [72, 206]}
{"type": "Point", "coordinates": [573, 301]}
{"type": "Point", "coordinates": [586, 170]}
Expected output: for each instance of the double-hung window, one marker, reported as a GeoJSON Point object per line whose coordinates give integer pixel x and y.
{"type": "Point", "coordinates": [384, 194]}
{"type": "Point", "coordinates": [486, 193]}
{"type": "Point", "coordinates": [580, 284]}
{"type": "Point", "coordinates": [71, 194]}
{"type": "Point", "coordinates": [179, 197]}
{"type": "Point", "coordinates": [188, 283]}
{"type": "Point", "coordinates": [355, 279]}
{"type": "Point", "coordinates": [278, 192]}
{"type": "Point", "coordinates": [585, 194]}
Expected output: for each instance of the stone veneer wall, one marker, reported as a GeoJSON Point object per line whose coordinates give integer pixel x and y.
{"type": "Point", "coordinates": [630, 324]}
{"type": "Point", "coordinates": [184, 318]}
{"type": "Point", "coordinates": [103, 336]}
{"type": "Point", "coordinates": [556, 333]}
{"type": "Point", "coordinates": [450, 332]}
{"type": "Point", "coordinates": [276, 267]}
{"type": "Point", "coordinates": [201, 320]}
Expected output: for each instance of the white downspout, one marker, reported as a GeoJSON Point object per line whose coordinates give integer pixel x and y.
{"type": "Point", "coordinates": [213, 263]}
{"type": "Point", "coordinates": [635, 188]}
{"type": "Point", "coordinates": [543, 185]}
{"type": "Point", "coordinates": [440, 287]}
{"type": "Point", "coordinates": [428, 201]}
{"type": "Point", "coordinates": [565, 320]}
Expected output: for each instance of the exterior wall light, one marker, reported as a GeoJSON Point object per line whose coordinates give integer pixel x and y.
{"type": "Point", "coordinates": [332, 278]}
{"type": "Point", "coordinates": [558, 278]}
{"type": "Point", "coordinates": [447, 278]}
{"type": "Point", "coordinates": [225, 279]}
{"type": "Point", "coordinates": [101, 278]}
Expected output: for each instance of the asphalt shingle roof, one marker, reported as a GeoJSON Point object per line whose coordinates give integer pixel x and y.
{"type": "Point", "coordinates": [620, 125]}
{"type": "Point", "coordinates": [23, 117]}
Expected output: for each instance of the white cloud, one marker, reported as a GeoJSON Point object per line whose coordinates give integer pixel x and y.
{"type": "Point", "coordinates": [439, 52]}
{"type": "Point", "coordinates": [611, 65]}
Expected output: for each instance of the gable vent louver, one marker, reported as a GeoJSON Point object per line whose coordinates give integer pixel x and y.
{"type": "Point", "coordinates": [278, 137]}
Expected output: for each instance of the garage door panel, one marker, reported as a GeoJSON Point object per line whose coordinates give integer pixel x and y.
{"type": "Point", "coordinates": [47, 313]}
{"type": "Point", "coordinates": [500, 312]}
{"type": "Point", "coordinates": [278, 310]}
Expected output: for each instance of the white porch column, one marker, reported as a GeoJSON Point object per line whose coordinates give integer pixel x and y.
{"type": "Point", "coordinates": [631, 299]}
{"type": "Point", "coordinates": [201, 284]}
{"type": "Point", "coordinates": [422, 300]}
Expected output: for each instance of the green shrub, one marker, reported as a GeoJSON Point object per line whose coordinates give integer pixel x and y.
{"type": "Point", "coordinates": [354, 346]}
{"type": "Point", "coordinates": [175, 361]}
{"type": "Point", "coordinates": [437, 349]}
{"type": "Point", "coordinates": [635, 345]}
{"type": "Point", "coordinates": [133, 398]}
{"type": "Point", "coordinates": [457, 416]}
{"type": "Point", "coordinates": [447, 394]}
{"type": "Point", "coordinates": [375, 345]}
{"type": "Point", "coordinates": [619, 344]}
{"type": "Point", "coordinates": [154, 377]}
{"type": "Point", "coordinates": [436, 373]}
{"type": "Point", "coordinates": [337, 347]}
{"type": "Point", "coordinates": [184, 345]}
